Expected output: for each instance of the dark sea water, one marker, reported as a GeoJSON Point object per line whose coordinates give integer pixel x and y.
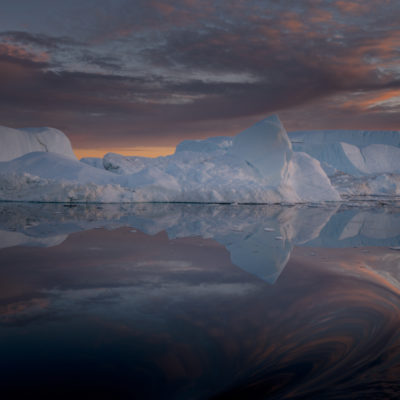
{"type": "Point", "coordinates": [156, 301]}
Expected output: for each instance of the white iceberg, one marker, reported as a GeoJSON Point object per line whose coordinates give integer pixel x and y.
{"type": "Point", "coordinates": [373, 159]}
{"type": "Point", "coordinates": [358, 163]}
{"type": "Point", "coordinates": [355, 153]}
{"type": "Point", "coordinates": [259, 165]}
{"type": "Point", "coordinates": [265, 147]}
{"type": "Point", "coordinates": [17, 142]}
{"type": "Point", "coordinates": [256, 166]}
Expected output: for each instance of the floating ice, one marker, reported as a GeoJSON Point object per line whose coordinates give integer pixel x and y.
{"type": "Point", "coordinates": [352, 152]}
{"type": "Point", "coordinates": [17, 142]}
{"type": "Point", "coordinates": [259, 165]}
{"type": "Point", "coordinates": [256, 166]}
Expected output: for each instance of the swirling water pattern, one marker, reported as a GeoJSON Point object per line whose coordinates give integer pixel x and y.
{"type": "Point", "coordinates": [123, 314]}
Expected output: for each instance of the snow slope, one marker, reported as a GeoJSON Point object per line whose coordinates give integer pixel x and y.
{"type": "Point", "coordinates": [17, 142]}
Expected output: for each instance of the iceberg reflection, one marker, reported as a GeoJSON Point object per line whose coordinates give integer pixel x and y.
{"type": "Point", "coordinates": [259, 238]}
{"type": "Point", "coordinates": [165, 301]}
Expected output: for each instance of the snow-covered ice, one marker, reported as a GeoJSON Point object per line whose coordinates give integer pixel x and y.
{"type": "Point", "coordinates": [353, 152]}
{"type": "Point", "coordinates": [358, 163]}
{"type": "Point", "coordinates": [17, 142]}
{"type": "Point", "coordinates": [373, 159]}
{"type": "Point", "coordinates": [262, 164]}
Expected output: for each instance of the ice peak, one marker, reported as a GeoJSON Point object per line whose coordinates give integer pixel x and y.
{"type": "Point", "coordinates": [272, 119]}
{"type": "Point", "coordinates": [265, 146]}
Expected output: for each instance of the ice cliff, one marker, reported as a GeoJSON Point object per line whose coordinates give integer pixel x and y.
{"type": "Point", "coordinates": [353, 152]}
{"type": "Point", "coordinates": [359, 163]}
{"type": "Point", "coordinates": [259, 165]}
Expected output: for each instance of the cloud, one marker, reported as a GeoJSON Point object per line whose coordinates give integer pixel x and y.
{"type": "Point", "coordinates": [16, 52]}
{"type": "Point", "coordinates": [152, 72]}
{"type": "Point", "coordinates": [41, 40]}
{"type": "Point", "coordinates": [384, 99]}
{"type": "Point", "coordinates": [352, 7]}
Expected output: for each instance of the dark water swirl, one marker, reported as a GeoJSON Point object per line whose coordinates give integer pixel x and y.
{"type": "Point", "coordinates": [336, 338]}
{"type": "Point", "coordinates": [107, 316]}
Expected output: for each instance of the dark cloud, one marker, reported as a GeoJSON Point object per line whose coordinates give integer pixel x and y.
{"type": "Point", "coordinates": [101, 61]}
{"type": "Point", "coordinates": [41, 40]}
{"type": "Point", "coordinates": [147, 71]}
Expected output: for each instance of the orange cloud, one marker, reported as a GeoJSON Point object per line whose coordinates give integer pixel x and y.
{"type": "Point", "coordinates": [372, 100]}
{"type": "Point", "coordinates": [319, 16]}
{"type": "Point", "coordinates": [351, 7]}
{"type": "Point", "coordinates": [384, 48]}
{"type": "Point", "coordinates": [390, 94]}
{"type": "Point", "coordinates": [16, 51]}
{"type": "Point", "coordinates": [293, 22]}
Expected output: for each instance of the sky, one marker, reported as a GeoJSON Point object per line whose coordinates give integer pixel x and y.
{"type": "Point", "coordinates": [138, 77]}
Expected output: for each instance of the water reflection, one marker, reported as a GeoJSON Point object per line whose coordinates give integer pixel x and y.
{"type": "Point", "coordinates": [166, 301]}
{"type": "Point", "coordinates": [258, 238]}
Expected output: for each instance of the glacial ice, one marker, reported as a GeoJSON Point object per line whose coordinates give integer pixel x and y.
{"type": "Point", "coordinates": [355, 153]}
{"type": "Point", "coordinates": [259, 165]}
{"type": "Point", "coordinates": [267, 137]}
{"type": "Point", "coordinates": [373, 159]}
{"type": "Point", "coordinates": [17, 142]}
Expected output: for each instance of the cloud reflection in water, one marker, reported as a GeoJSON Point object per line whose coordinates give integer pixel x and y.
{"type": "Point", "coordinates": [164, 312]}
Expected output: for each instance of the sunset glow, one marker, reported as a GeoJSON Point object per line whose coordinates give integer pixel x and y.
{"type": "Point", "coordinates": [148, 74]}
{"type": "Point", "coordinates": [154, 151]}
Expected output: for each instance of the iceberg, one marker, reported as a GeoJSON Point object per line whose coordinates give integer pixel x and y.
{"type": "Point", "coordinates": [353, 152]}
{"type": "Point", "coordinates": [17, 142]}
{"type": "Point", "coordinates": [261, 165]}
{"type": "Point", "coordinates": [265, 147]}
{"type": "Point", "coordinates": [373, 159]}
{"type": "Point", "coordinates": [256, 166]}
{"type": "Point", "coordinates": [358, 163]}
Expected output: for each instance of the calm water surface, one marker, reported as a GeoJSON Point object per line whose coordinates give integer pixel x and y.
{"type": "Point", "coordinates": [158, 301]}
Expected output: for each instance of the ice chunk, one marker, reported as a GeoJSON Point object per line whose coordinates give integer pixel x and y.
{"type": "Point", "coordinates": [374, 159]}
{"type": "Point", "coordinates": [308, 179]}
{"type": "Point", "coordinates": [301, 140]}
{"type": "Point", "coordinates": [266, 147]}
{"type": "Point", "coordinates": [125, 164]}
{"type": "Point", "coordinates": [17, 142]}
{"type": "Point", "coordinates": [356, 153]}
{"type": "Point", "coordinates": [369, 185]}
{"type": "Point", "coordinates": [96, 162]}
{"type": "Point", "coordinates": [57, 167]}
{"type": "Point", "coordinates": [353, 153]}
{"type": "Point", "coordinates": [381, 158]}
